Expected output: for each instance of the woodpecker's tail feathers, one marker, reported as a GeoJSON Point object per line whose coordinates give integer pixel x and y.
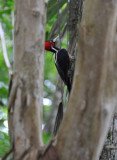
{"type": "Point", "coordinates": [59, 118]}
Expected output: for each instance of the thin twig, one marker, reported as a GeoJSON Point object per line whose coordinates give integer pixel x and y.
{"type": "Point", "coordinates": [8, 153]}
{"type": "Point", "coordinates": [110, 147]}
{"type": "Point", "coordinates": [4, 50]}
{"type": "Point", "coordinates": [59, 22]}
{"type": "Point", "coordinates": [43, 150]}
{"type": "Point", "coordinates": [25, 153]}
{"type": "Point", "coordinates": [12, 19]}
{"type": "Point", "coordinates": [12, 93]}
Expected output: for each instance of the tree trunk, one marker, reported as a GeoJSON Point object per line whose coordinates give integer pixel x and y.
{"type": "Point", "coordinates": [75, 14]}
{"type": "Point", "coordinates": [110, 148]}
{"type": "Point", "coordinates": [27, 88]}
{"type": "Point", "coordinates": [93, 97]}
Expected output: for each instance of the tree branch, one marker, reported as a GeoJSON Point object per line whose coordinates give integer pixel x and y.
{"type": "Point", "coordinates": [12, 94]}
{"type": "Point", "coordinates": [5, 51]}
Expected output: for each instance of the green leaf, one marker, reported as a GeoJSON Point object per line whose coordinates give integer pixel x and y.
{"type": "Point", "coordinates": [53, 7]}
{"type": "Point", "coordinates": [46, 138]}
{"type": "Point", "coordinates": [4, 143]}
{"type": "Point", "coordinates": [60, 22]}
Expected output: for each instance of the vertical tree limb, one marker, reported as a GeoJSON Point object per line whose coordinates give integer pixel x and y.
{"type": "Point", "coordinates": [110, 147]}
{"type": "Point", "coordinates": [29, 33]}
{"type": "Point", "coordinates": [93, 98]}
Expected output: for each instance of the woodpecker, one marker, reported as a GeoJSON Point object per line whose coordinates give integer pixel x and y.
{"type": "Point", "coordinates": [62, 61]}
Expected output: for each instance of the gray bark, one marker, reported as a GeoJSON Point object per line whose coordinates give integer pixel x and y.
{"type": "Point", "coordinates": [75, 8]}
{"type": "Point", "coordinates": [93, 97]}
{"type": "Point", "coordinates": [110, 148]}
{"type": "Point", "coordinates": [27, 89]}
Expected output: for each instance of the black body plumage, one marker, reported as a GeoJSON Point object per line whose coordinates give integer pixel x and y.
{"type": "Point", "coordinates": [62, 63]}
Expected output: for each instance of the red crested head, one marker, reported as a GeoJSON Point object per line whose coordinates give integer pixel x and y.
{"type": "Point", "coordinates": [50, 44]}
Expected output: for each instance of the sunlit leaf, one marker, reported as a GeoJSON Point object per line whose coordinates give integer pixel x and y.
{"type": "Point", "coordinates": [46, 138]}
{"type": "Point", "coordinates": [4, 143]}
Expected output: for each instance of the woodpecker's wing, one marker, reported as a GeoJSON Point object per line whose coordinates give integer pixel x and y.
{"type": "Point", "coordinates": [62, 58]}
{"type": "Point", "coordinates": [64, 77]}
{"type": "Point", "coordinates": [61, 73]}
{"type": "Point", "coordinates": [62, 63]}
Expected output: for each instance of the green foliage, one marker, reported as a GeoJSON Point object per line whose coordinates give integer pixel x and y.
{"type": "Point", "coordinates": [4, 138]}
{"type": "Point", "coordinates": [3, 69]}
{"type": "Point", "coordinates": [52, 8]}
{"type": "Point", "coordinates": [49, 66]}
{"type": "Point", "coordinates": [46, 138]}
{"type": "Point", "coordinates": [4, 143]}
{"type": "Point", "coordinates": [6, 7]}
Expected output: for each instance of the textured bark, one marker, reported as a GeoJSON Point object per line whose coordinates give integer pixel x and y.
{"type": "Point", "coordinates": [93, 97]}
{"type": "Point", "coordinates": [27, 89]}
{"type": "Point", "coordinates": [75, 8]}
{"type": "Point", "coordinates": [110, 147]}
